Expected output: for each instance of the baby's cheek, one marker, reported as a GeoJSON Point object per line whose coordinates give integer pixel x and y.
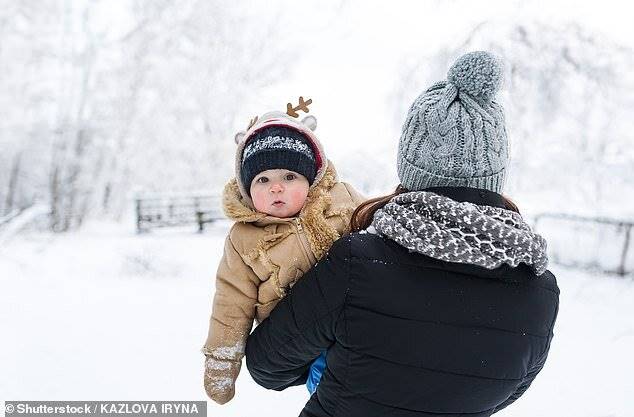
{"type": "Point", "coordinates": [259, 201]}
{"type": "Point", "coordinates": [298, 197]}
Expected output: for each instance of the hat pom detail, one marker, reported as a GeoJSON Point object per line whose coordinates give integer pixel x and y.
{"type": "Point", "coordinates": [479, 74]}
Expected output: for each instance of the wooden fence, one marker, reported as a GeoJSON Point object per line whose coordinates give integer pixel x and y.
{"type": "Point", "coordinates": [574, 241]}
{"type": "Point", "coordinates": [177, 211]}
{"type": "Point", "coordinates": [588, 242]}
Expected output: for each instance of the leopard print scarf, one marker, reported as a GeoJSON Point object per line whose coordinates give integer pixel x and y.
{"type": "Point", "coordinates": [444, 229]}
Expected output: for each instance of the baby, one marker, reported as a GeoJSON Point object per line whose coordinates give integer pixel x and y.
{"type": "Point", "coordinates": [289, 208]}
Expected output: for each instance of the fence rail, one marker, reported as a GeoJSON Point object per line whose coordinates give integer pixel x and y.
{"type": "Point", "coordinates": [576, 241]}
{"type": "Point", "coordinates": [177, 211]}
{"type": "Point", "coordinates": [589, 242]}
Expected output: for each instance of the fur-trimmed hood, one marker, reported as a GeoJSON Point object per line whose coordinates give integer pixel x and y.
{"type": "Point", "coordinates": [240, 209]}
{"type": "Point", "coordinates": [327, 199]}
{"type": "Point", "coordinates": [306, 127]}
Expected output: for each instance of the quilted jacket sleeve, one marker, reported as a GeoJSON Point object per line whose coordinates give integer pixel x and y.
{"type": "Point", "coordinates": [532, 373]}
{"type": "Point", "coordinates": [357, 197]}
{"type": "Point", "coordinates": [524, 384]}
{"type": "Point", "coordinates": [280, 350]}
{"type": "Point", "coordinates": [230, 323]}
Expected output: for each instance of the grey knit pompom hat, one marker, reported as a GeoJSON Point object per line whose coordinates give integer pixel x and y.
{"type": "Point", "coordinates": [454, 134]}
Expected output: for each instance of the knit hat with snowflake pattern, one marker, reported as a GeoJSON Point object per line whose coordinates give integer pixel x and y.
{"type": "Point", "coordinates": [277, 147]}
{"type": "Point", "coordinates": [279, 140]}
{"type": "Point", "coordinates": [455, 134]}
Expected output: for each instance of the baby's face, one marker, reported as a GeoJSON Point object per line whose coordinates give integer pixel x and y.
{"type": "Point", "coordinates": [279, 192]}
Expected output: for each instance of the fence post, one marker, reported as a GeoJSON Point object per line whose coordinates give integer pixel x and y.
{"type": "Point", "coordinates": [138, 216]}
{"type": "Point", "coordinates": [536, 220]}
{"type": "Point", "coordinates": [199, 219]}
{"type": "Point", "coordinates": [621, 271]}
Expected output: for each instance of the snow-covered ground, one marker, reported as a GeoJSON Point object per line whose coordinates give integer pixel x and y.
{"type": "Point", "coordinates": [108, 314]}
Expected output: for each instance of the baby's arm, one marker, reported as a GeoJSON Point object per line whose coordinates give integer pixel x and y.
{"type": "Point", "coordinates": [231, 321]}
{"type": "Point", "coordinates": [357, 197]}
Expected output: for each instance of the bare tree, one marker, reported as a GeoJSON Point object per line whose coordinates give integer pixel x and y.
{"type": "Point", "coordinates": [96, 111]}
{"type": "Point", "coordinates": [13, 180]}
{"type": "Point", "coordinates": [567, 99]}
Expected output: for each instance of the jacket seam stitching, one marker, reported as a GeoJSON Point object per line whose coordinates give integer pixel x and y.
{"type": "Point", "coordinates": [462, 326]}
{"type": "Point", "coordinates": [434, 413]}
{"type": "Point", "coordinates": [438, 370]}
{"type": "Point", "coordinates": [437, 269]}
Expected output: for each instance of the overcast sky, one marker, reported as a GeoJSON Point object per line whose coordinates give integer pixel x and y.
{"type": "Point", "coordinates": [357, 54]}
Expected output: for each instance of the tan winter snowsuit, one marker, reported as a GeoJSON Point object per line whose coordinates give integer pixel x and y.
{"type": "Point", "coordinates": [263, 257]}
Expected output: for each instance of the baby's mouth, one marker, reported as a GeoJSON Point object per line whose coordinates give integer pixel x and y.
{"type": "Point", "coordinates": [278, 203]}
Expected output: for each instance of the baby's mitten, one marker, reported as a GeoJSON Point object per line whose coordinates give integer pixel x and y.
{"type": "Point", "coordinates": [220, 378]}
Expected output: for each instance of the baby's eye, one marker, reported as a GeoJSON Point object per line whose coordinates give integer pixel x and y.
{"type": "Point", "coordinates": [262, 180]}
{"type": "Point", "coordinates": [290, 177]}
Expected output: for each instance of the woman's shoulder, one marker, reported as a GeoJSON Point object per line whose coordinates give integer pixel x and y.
{"type": "Point", "coordinates": [344, 194]}
{"type": "Point", "coordinates": [547, 281]}
{"type": "Point", "coordinates": [363, 245]}
{"type": "Point", "coordinates": [368, 246]}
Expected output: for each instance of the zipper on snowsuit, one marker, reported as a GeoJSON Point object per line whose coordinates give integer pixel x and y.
{"type": "Point", "coordinates": [312, 260]}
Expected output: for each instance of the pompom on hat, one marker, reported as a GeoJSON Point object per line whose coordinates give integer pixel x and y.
{"type": "Point", "coordinates": [454, 133]}
{"type": "Point", "coordinates": [478, 74]}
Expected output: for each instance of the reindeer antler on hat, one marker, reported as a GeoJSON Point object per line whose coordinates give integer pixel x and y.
{"type": "Point", "coordinates": [252, 122]}
{"type": "Point", "coordinates": [303, 106]}
{"type": "Point", "coordinates": [291, 114]}
{"type": "Point", "coordinates": [301, 129]}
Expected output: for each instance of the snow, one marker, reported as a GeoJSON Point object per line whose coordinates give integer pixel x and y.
{"type": "Point", "coordinates": [216, 365]}
{"type": "Point", "coordinates": [228, 352]}
{"type": "Point", "coordinates": [589, 244]}
{"type": "Point", "coordinates": [105, 313]}
{"type": "Point", "coordinates": [15, 222]}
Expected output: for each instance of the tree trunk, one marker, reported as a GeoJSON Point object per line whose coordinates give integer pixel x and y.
{"type": "Point", "coordinates": [13, 183]}
{"type": "Point", "coordinates": [55, 198]}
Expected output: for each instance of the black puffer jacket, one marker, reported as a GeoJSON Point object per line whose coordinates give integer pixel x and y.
{"type": "Point", "coordinates": [406, 334]}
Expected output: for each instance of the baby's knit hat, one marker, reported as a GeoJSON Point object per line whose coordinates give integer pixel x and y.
{"type": "Point", "coordinates": [455, 134]}
{"type": "Point", "coordinates": [279, 140]}
{"type": "Point", "coordinates": [277, 147]}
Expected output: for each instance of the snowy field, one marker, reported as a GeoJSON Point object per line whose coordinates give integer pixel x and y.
{"type": "Point", "coordinates": [105, 314]}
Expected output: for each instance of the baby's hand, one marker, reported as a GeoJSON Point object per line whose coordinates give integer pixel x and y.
{"type": "Point", "coordinates": [220, 378]}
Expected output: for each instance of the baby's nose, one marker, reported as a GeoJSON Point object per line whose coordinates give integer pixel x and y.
{"type": "Point", "coordinates": [276, 188]}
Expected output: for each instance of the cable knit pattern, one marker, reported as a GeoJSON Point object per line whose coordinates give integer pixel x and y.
{"type": "Point", "coordinates": [444, 229]}
{"type": "Point", "coordinates": [454, 133]}
{"type": "Point", "coordinates": [477, 73]}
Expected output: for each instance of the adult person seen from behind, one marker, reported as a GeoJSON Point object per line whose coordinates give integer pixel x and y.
{"type": "Point", "coordinates": [440, 304]}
